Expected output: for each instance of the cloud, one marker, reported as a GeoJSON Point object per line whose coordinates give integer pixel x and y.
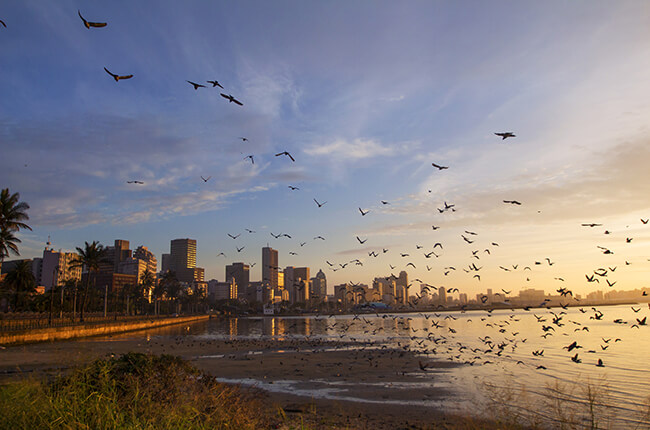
{"type": "Point", "coordinates": [351, 150]}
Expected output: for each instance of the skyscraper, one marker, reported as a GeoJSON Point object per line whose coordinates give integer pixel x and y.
{"type": "Point", "coordinates": [240, 272]}
{"type": "Point", "coordinates": [270, 267]}
{"type": "Point", "coordinates": [182, 261]}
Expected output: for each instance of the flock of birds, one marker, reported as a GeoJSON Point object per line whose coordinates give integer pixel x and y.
{"type": "Point", "coordinates": [439, 335]}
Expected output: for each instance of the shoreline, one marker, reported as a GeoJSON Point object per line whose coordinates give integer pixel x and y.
{"type": "Point", "coordinates": [367, 381]}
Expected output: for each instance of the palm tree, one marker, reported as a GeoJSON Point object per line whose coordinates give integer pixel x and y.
{"type": "Point", "coordinates": [8, 243]}
{"type": "Point", "coordinates": [21, 281]}
{"type": "Point", "coordinates": [170, 286]}
{"type": "Point", "coordinates": [146, 286]}
{"type": "Point", "coordinates": [12, 215]}
{"type": "Point", "coordinates": [90, 257]}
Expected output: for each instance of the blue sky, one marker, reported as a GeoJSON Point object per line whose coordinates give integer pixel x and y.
{"type": "Point", "coordinates": [365, 95]}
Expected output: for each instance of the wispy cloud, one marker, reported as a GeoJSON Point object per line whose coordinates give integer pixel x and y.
{"type": "Point", "coordinates": [350, 150]}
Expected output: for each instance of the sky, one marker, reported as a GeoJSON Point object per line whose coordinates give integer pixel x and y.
{"type": "Point", "coordinates": [365, 95]}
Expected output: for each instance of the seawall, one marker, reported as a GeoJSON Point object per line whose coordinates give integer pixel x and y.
{"type": "Point", "coordinates": [62, 333]}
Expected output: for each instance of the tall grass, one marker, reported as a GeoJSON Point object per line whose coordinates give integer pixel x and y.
{"type": "Point", "coordinates": [134, 391]}
{"type": "Point", "coordinates": [582, 404]}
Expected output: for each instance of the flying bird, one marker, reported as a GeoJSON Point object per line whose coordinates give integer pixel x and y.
{"type": "Point", "coordinates": [195, 85]}
{"type": "Point", "coordinates": [320, 205]}
{"type": "Point", "coordinates": [206, 179]}
{"type": "Point", "coordinates": [215, 84]}
{"type": "Point", "coordinates": [512, 202]}
{"type": "Point", "coordinates": [231, 99]}
{"type": "Point", "coordinates": [234, 237]}
{"type": "Point", "coordinates": [88, 24]}
{"type": "Point", "coordinates": [505, 135]}
{"type": "Point", "coordinates": [293, 188]}
{"type": "Point", "coordinates": [118, 77]}
{"type": "Point", "coordinates": [285, 153]}
{"type": "Point", "coordinates": [251, 157]}
{"type": "Point", "coordinates": [361, 241]}
{"type": "Point", "coordinates": [439, 167]}
{"type": "Point", "coordinates": [240, 249]}
{"type": "Point", "coordinates": [135, 182]}
{"type": "Point", "coordinates": [363, 213]}
{"type": "Point", "coordinates": [384, 202]}
{"type": "Point", "coordinates": [591, 224]}
{"type": "Point", "coordinates": [5, 25]}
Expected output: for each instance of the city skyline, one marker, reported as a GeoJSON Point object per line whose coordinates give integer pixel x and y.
{"type": "Point", "coordinates": [364, 110]}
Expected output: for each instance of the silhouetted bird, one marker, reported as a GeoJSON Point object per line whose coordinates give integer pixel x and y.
{"type": "Point", "coordinates": [285, 153]}
{"type": "Point", "coordinates": [117, 77]}
{"type": "Point", "coordinates": [293, 188]}
{"type": "Point", "coordinates": [5, 25]}
{"type": "Point", "coordinates": [251, 157]}
{"type": "Point", "coordinates": [505, 135]}
{"type": "Point", "coordinates": [439, 167]}
{"type": "Point", "coordinates": [512, 202]}
{"type": "Point", "coordinates": [206, 179]}
{"type": "Point", "coordinates": [135, 182]}
{"type": "Point", "coordinates": [88, 24]}
{"type": "Point", "coordinates": [195, 85]}
{"type": "Point", "coordinates": [215, 84]}
{"type": "Point", "coordinates": [320, 205]}
{"type": "Point", "coordinates": [231, 99]}
{"type": "Point", "coordinates": [362, 212]}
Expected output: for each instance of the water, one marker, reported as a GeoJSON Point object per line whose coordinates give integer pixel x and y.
{"type": "Point", "coordinates": [493, 348]}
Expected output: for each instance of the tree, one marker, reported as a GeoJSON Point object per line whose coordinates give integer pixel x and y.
{"type": "Point", "coordinates": [90, 257]}
{"type": "Point", "coordinates": [170, 286]}
{"type": "Point", "coordinates": [12, 215]}
{"type": "Point", "coordinates": [8, 243]}
{"type": "Point", "coordinates": [20, 281]}
{"type": "Point", "coordinates": [146, 287]}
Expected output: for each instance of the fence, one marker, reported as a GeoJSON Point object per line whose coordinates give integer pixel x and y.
{"type": "Point", "coordinates": [18, 322]}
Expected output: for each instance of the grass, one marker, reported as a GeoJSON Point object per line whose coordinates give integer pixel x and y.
{"type": "Point", "coordinates": [134, 391]}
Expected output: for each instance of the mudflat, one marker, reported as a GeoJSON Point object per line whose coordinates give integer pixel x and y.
{"type": "Point", "coordinates": [329, 384]}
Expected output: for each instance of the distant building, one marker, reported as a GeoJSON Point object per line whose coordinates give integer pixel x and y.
{"type": "Point", "coordinates": [222, 290]}
{"type": "Point", "coordinates": [115, 254]}
{"type": "Point", "coordinates": [442, 295]}
{"type": "Point", "coordinates": [240, 272]}
{"type": "Point", "coordinates": [270, 267]}
{"type": "Point", "coordinates": [166, 262]}
{"type": "Point", "coordinates": [182, 261]}
{"type": "Point", "coordinates": [143, 253]}
{"type": "Point", "coordinates": [57, 268]}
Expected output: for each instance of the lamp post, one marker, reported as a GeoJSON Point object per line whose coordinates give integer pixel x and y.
{"type": "Point", "coordinates": [54, 282]}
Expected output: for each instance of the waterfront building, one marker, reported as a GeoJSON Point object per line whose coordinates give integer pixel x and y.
{"type": "Point", "coordinates": [182, 261]}
{"type": "Point", "coordinates": [240, 272]}
{"type": "Point", "coordinates": [270, 267]}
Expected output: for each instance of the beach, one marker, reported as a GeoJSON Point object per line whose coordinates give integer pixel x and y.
{"type": "Point", "coordinates": [369, 373]}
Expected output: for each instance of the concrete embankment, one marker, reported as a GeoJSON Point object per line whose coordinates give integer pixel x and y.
{"type": "Point", "coordinates": [61, 333]}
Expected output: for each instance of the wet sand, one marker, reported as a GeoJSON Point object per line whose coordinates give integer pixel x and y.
{"type": "Point", "coordinates": [367, 380]}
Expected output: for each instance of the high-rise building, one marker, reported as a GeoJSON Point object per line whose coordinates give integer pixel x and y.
{"type": "Point", "coordinates": [56, 268]}
{"type": "Point", "coordinates": [182, 261]}
{"type": "Point", "coordinates": [240, 272]}
{"type": "Point", "coordinates": [165, 262]}
{"type": "Point", "coordinates": [143, 253]}
{"type": "Point", "coordinates": [300, 284]}
{"type": "Point", "coordinates": [442, 295]}
{"type": "Point", "coordinates": [115, 254]}
{"type": "Point", "coordinates": [182, 254]}
{"type": "Point", "coordinates": [270, 267]}
{"type": "Point", "coordinates": [319, 286]}
{"type": "Point", "coordinates": [401, 284]}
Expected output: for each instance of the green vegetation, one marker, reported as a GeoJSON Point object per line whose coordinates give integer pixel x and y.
{"type": "Point", "coordinates": [134, 391]}
{"type": "Point", "coordinates": [12, 215]}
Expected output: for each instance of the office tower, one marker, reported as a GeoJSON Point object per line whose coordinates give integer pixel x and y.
{"type": "Point", "coordinates": [143, 253]}
{"type": "Point", "coordinates": [182, 261]}
{"type": "Point", "coordinates": [442, 295]}
{"type": "Point", "coordinates": [115, 254]}
{"type": "Point", "coordinates": [270, 267]}
{"type": "Point", "coordinates": [240, 272]}
{"type": "Point", "coordinates": [300, 284]}
{"type": "Point", "coordinates": [182, 254]}
{"type": "Point", "coordinates": [56, 268]}
{"type": "Point", "coordinates": [165, 263]}
{"type": "Point", "coordinates": [319, 286]}
{"type": "Point", "coordinates": [402, 283]}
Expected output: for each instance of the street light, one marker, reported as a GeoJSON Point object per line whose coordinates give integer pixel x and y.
{"type": "Point", "coordinates": [55, 272]}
